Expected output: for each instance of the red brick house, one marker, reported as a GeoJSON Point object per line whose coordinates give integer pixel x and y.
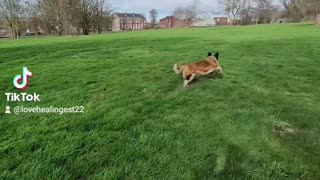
{"type": "Point", "coordinates": [172, 22]}
{"type": "Point", "coordinates": [221, 21]}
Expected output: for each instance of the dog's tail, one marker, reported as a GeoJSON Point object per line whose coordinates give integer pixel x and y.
{"type": "Point", "coordinates": [176, 69]}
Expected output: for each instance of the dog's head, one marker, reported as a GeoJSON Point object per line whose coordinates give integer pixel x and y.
{"type": "Point", "coordinates": [215, 55]}
{"type": "Point", "coordinates": [176, 69]}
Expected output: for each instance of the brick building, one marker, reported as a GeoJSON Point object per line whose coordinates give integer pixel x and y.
{"type": "Point", "coordinates": [221, 21]}
{"type": "Point", "coordinates": [172, 22]}
{"type": "Point", "coordinates": [128, 21]}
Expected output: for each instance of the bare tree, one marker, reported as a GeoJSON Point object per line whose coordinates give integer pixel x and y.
{"type": "Point", "coordinates": [187, 13]}
{"type": "Point", "coordinates": [293, 9]}
{"type": "Point", "coordinates": [247, 12]}
{"type": "Point", "coordinates": [86, 15]}
{"type": "Point", "coordinates": [298, 9]}
{"type": "Point", "coordinates": [10, 11]}
{"type": "Point", "coordinates": [52, 13]}
{"type": "Point", "coordinates": [71, 17]}
{"type": "Point", "coordinates": [153, 17]}
{"type": "Point", "coordinates": [238, 9]}
{"type": "Point", "coordinates": [59, 17]}
{"type": "Point", "coordinates": [264, 11]}
{"type": "Point", "coordinates": [68, 16]}
{"type": "Point", "coordinates": [101, 16]}
{"type": "Point", "coordinates": [32, 10]}
{"type": "Point", "coordinates": [310, 8]}
{"type": "Point", "coordinates": [192, 11]}
{"type": "Point", "coordinates": [179, 12]}
{"type": "Point", "coordinates": [233, 8]}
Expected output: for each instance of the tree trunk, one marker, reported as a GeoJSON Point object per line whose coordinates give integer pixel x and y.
{"type": "Point", "coordinates": [99, 29]}
{"type": "Point", "coordinates": [318, 19]}
{"type": "Point", "coordinates": [78, 30]}
{"type": "Point", "coordinates": [12, 32]}
{"type": "Point", "coordinates": [17, 33]}
{"type": "Point", "coordinates": [37, 31]}
{"type": "Point", "coordinates": [100, 22]}
{"type": "Point", "coordinates": [85, 29]}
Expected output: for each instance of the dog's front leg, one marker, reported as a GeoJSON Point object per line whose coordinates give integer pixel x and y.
{"type": "Point", "coordinates": [188, 79]}
{"type": "Point", "coordinates": [220, 72]}
{"type": "Point", "coordinates": [185, 83]}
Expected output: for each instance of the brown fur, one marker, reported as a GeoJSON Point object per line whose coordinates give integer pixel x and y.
{"type": "Point", "coordinates": [207, 66]}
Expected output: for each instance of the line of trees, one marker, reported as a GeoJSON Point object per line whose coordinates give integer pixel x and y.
{"type": "Point", "coordinates": [57, 17]}
{"type": "Point", "coordinates": [263, 11]}
{"type": "Point", "coordinates": [10, 12]}
{"type": "Point", "coordinates": [301, 9]}
{"type": "Point", "coordinates": [239, 11]}
{"type": "Point", "coordinates": [251, 11]}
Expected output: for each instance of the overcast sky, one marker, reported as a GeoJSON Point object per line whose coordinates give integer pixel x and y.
{"type": "Point", "coordinates": [164, 7]}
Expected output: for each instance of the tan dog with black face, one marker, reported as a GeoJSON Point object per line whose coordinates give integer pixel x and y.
{"type": "Point", "coordinates": [204, 67]}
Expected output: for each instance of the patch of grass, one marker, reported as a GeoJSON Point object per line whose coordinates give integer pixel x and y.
{"type": "Point", "coordinates": [140, 123]}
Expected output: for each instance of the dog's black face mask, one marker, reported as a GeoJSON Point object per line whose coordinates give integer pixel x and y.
{"type": "Point", "coordinates": [216, 55]}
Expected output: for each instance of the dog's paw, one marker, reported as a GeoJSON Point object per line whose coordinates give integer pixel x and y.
{"type": "Point", "coordinates": [185, 83]}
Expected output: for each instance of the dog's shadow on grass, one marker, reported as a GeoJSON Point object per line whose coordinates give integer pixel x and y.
{"type": "Point", "coordinates": [176, 82]}
{"type": "Point", "coordinates": [201, 80]}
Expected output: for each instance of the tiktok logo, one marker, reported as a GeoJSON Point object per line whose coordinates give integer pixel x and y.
{"type": "Point", "coordinates": [21, 81]}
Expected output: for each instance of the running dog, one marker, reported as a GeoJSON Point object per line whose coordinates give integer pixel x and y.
{"type": "Point", "coordinates": [204, 67]}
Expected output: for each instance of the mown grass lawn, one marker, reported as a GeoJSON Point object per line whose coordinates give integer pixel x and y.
{"type": "Point", "coordinates": [139, 122]}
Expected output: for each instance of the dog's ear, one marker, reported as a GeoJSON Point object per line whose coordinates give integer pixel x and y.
{"type": "Point", "coordinates": [217, 55]}
{"type": "Point", "coordinates": [209, 54]}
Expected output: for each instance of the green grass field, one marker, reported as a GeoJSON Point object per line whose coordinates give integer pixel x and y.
{"type": "Point", "coordinates": [262, 121]}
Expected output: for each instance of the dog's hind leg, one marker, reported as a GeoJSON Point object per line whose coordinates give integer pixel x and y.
{"type": "Point", "coordinates": [192, 77]}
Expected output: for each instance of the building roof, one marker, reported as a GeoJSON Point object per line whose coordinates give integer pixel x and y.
{"type": "Point", "coordinates": [130, 15]}
{"type": "Point", "coordinates": [167, 17]}
{"type": "Point", "coordinates": [221, 17]}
